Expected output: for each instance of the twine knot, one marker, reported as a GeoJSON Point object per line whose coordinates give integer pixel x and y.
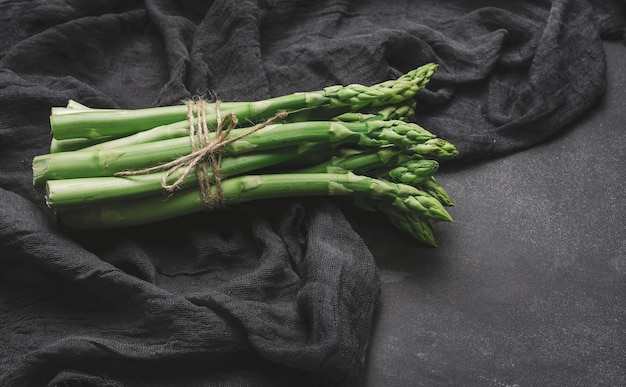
{"type": "Point", "coordinates": [206, 152]}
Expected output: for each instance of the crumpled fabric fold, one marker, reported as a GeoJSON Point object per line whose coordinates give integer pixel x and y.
{"type": "Point", "coordinates": [278, 293]}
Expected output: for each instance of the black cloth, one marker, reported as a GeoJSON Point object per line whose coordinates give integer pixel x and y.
{"type": "Point", "coordinates": [273, 293]}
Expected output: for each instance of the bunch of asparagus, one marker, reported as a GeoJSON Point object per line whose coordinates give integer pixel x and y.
{"type": "Point", "coordinates": [351, 141]}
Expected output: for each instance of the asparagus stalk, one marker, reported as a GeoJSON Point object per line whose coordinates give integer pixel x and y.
{"type": "Point", "coordinates": [119, 123]}
{"type": "Point", "coordinates": [160, 133]}
{"type": "Point", "coordinates": [437, 191]}
{"type": "Point", "coordinates": [405, 170]}
{"type": "Point", "coordinates": [415, 225]}
{"type": "Point", "coordinates": [163, 132]}
{"type": "Point", "coordinates": [356, 160]}
{"type": "Point", "coordinates": [106, 162]}
{"type": "Point", "coordinates": [97, 123]}
{"type": "Point", "coordinates": [73, 107]}
{"type": "Point", "coordinates": [401, 112]}
{"type": "Point", "coordinates": [254, 187]}
{"type": "Point", "coordinates": [435, 147]}
{"type": "Point", "coordinates": [413, 172]}
{"type": "Point", "coordinates": [72, 144]}
{"type": "Point", "coordinates": [82, 191]}
{"type": "Point", "coordinates": [181, 129]}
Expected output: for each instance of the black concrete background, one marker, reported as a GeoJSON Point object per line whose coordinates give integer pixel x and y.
{"type": "Point", "coordinates": [528, 285]}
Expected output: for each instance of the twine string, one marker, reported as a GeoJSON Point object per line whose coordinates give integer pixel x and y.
{"type": "Point", "coordinates": [206, 153]}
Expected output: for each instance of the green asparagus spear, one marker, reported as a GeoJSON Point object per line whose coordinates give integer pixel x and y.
{"type": "Point", "coordinates": [89, 190]}
{"type": "Point", "coordinates": [93, 124]}
{"type": "Point", "coordinates": [436, 190]}
{"type": "Point", "coordinates": [106, 162]}
{"type": "Point", "coordinates": [254, 187]}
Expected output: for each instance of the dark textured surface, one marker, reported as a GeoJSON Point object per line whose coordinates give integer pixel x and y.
{"type": "Point", "coordinates": [282, 293]}
{"type": "Point", "coordinates": [527, 287]}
